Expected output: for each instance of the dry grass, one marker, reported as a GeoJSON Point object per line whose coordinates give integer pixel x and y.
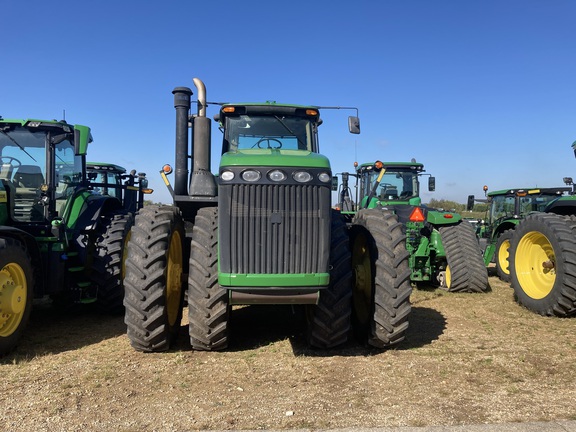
{"type": "Point", "coordinates": [468, 359]}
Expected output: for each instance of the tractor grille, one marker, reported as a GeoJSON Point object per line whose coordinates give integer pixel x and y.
{"type": "Point", "coordinates": [274, 229]}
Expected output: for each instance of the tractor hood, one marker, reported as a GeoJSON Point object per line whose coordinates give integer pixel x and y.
{"type": "Point", "coordinates": [275, 158]}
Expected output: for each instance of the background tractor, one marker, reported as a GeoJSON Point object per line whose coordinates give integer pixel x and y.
{"type": "Point", "coordinates": [57, 238]}
{"type": "Point", "coordinates": [261, 232]}
{"type": "Point", "coordinates": [543, 257]}
{"type": "Point", "coordinates": [113, 180]}
{"type": "Point", "coordinates": [443, 249]}
{"type": "Point", "coordinates": [506, 208]}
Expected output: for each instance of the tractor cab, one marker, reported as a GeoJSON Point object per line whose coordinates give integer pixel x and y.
{"type": "Point", "coordinates": [40, 165]}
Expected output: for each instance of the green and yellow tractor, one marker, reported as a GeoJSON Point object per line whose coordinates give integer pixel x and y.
{"type": "Point", "coordinates": [112, 180]}
{"type": "Point", "coordinates": [261, 231]}
{"type": "Point", "coordinates": [58, 239]}
{"type": "Point", "coordinates": [506, 208]}
{"type": "Point", "coordinates": [542, 257]}
{"type": "Point", "coordinates": [442, 247]}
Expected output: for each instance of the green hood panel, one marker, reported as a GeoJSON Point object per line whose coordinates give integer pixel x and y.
{"type": "Point", "coordinates": [442, 218]}
{"type": "Point", "coordinates": [275, 158]}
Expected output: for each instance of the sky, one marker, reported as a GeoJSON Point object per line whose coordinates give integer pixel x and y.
{"type": "Point", "coordinates": [480, 92]}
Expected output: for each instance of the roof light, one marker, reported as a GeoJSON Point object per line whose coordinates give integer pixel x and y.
{"type": "Point", "coordinates": [229, 109]}
{"type": "Point", "coordinates": [167, 169]}
{"type": "Point", "coordinates": [311, 112]}
{"type": "Point", "coordinates": [378, 165]}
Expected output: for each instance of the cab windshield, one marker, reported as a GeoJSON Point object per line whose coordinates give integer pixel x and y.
{"type": "Point", "coordinates": [395, 185]}
{"type": "Point", "coordinates": [23, 164]}
{"type": "Point", "coordinates": [269, 132]}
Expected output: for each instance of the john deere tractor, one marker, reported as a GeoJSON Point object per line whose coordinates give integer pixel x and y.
{"type": "Point", "coordinates": [543, 257]}
{"type": "Point", "coordinates": [506, 208]}
{"type": "Point", "coordinates": [113, 180]}
{"type": "Point", "coordinates": [260, 232]}
{"type": "Point", "coordinates": [443, 249]}
{"type": "Point", "coordinates": [57, 238]}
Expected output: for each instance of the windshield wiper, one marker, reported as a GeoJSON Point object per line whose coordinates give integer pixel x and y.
{"type": "Point", "coordinates": [291, 131]}
{"type": "Point", "coordinates": [16, 142]}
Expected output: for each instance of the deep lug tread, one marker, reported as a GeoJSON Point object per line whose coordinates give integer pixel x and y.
{"type": "Point", "coordinates": [149, 329]}
{"type": "Point", "coordinates": [391, 282]}
{"type": "Point", "coordinates": [329, 321]}
{"type": "Point", "coordinates": [107, 267]}
{"type": "Point", "coordinates": [469, 274]}
{"type": "Point", "coordinates": [208, 306]}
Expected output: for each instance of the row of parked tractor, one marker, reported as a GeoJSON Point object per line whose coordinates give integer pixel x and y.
{"type": "Point", "coordinates": [528, 235]}
{"type": "Point", "coordinates": [262, 230]}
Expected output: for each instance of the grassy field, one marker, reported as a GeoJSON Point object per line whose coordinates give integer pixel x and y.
{"type": "Point", "coordinates": [468, 358]}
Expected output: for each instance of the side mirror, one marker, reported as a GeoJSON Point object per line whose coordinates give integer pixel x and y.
{"type": "Point", "coordinates": [334, 183]}
{"type": "Point", "coordinates": [470, 203]}
{"type": "Point", "coordinates": [354, 124]}
{"type": "Point", "coordinates": [431, 184]}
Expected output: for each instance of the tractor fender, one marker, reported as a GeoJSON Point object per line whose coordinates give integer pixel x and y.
{"type": "Point", "coordinates": [33, 250]}
{"type": "Point", "coordinates": [564, 206]}
{"type": "Point", "coordinates": [503, 226]}
{"type": "Point", "coordinates": [85, 209]}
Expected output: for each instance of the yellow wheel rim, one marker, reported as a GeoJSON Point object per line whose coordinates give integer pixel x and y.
{"type": "Point", "coordinates": [362, 265]}
{"type": "Point", "coordinates": [533, 251]}
{"type": "Point", "coordinates": [448, 277]}
{"type": "Point", "coordinates": [502, 256]}
{"type": "Point", "coordinates": [13, 298]}
{"type": "Point", "coordinates": [174, 278]}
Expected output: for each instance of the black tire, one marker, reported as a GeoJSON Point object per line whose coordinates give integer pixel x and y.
{"type": "Point", "coordinates": [208, 308]}
{"type": "Point", "coordinates": [543, 264]}
{"type": "Point", "coordinates": [466, 270]}
{"type": "Point", "coordinates": [16, 292]}
{"type": "Point", "coordinates": [381, 293]}
{"type": "Point", "coordinates": [329, 320]}
{"type": "Point", "coordinates": [109, 260]}
{"type": "Point", "coordinates": [501, 255]}
{"type": "Point", "coordinates": [153, 282]}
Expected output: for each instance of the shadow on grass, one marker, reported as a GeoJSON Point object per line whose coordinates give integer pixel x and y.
{"type": "Point", "coordinates": [253, 327]}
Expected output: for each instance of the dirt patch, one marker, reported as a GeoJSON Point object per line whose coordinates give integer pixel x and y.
{"type": "Point", "coordinates": [468, 358]}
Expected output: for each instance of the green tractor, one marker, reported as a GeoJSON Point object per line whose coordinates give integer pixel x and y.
{"type": "Point", "coordinates": [542, 257]}
{"type": "Point", "coordinates": [443, 248]}
{"type": "Point", "coordinates": [506, 208]}
{"type": "Point", "coordinates": [260, 232]}
{"type": "Point", "coordinates": [113, 180]}
{"type": "Point", "coordinates": [57, 238]}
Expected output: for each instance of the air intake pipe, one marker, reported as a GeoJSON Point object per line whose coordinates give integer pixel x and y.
{"type": "Point", "coordinates": [182, 106]}
{"type": "Point", "coordinates": [202, 183]}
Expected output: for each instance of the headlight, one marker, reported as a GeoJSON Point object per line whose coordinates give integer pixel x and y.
{"type": "Point", "coordinates": [324, 177]}
{"type": "Point", "coordinates": [227, 175]}
{"type": "Point", "coordinates": [302, 176]}
{"type": "Point", "coordinates": [276, 176]}
{"type": "Point", "coordinates": [251, 175]}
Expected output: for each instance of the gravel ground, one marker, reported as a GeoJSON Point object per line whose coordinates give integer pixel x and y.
{"type": "Point", "coordinates": [468, 359]}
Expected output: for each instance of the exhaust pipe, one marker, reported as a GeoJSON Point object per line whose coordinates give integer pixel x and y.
{"type": "Point", "coordinates": [182, 106]}
{"type": "Point", "coordinates": [202, 183]}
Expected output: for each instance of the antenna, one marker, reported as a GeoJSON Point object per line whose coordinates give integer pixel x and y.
{"type": "Point", "coordinates": [64, 114]}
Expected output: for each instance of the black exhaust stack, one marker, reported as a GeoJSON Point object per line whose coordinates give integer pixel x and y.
{"type": "Point", "coordinates": [182, 106]}
{"type": "Point", "coordinates": [202, 183]}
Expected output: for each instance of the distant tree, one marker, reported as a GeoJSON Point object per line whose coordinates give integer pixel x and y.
{"type": "Point", "coordinates": [447, 205]}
